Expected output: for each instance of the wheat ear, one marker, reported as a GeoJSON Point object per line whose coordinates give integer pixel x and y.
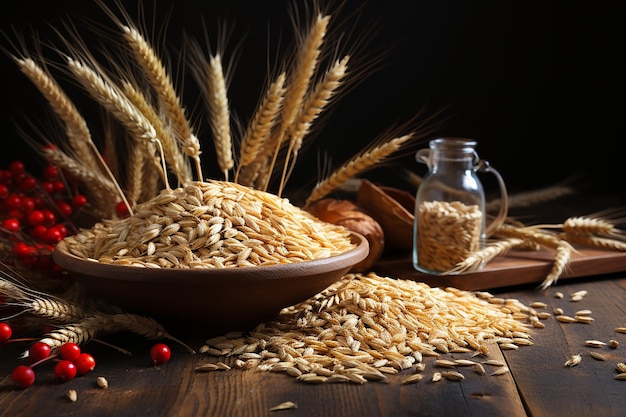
{"type": "Point", "coordinates": [299, 81]}
{"type": "Point", "coordinates": [164, 88]}
{"type": "Point", "coordinates": [173, 156]}
{"type": "Point", "coordinates": [94, 181]}
{"type": "Point", "coordinates": [562, 256]}
{"type": "Point", "coordinates": [220, 114]}
{"type": "Point", "coordinates": [260, 127]}
{"type": "Point", "coordinates": [357, 165]}
{"type": "Point", "coordinates": [115, 102]}
{"type": "Point", "coordinates": [531, 198]}
{"type": "Point", "coordinates": [134, 171]}
{"type": "Point", "coordinates": [76, 129]}
{"type": "Point", "coordinates": [478, 259]}
{"type": "Point", "coordinates": [595, 241]}
{"type": "Point", "coordinates": [78, 134]}
{"type": "Point", "coordinates": [312, 107]}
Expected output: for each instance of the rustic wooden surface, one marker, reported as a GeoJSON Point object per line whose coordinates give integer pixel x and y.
{"type": "Point", "coordinates": [539, 384]}
{"type": "Point", "coordinates": [514, 268]}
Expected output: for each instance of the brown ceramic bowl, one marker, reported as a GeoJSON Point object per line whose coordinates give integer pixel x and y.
{"type": "Point", "coordinates": [210, 300]}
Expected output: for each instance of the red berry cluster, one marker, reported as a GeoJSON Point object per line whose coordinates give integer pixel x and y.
{"type": "Point", "coordinates": [70, 361]}
{"type": "Point", "coordinates": [36, 212]}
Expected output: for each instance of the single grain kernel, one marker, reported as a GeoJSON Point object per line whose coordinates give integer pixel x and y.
{"type": "Point", "coordinates": [573, 360]}
{"type": "Point", "coordinates": [102, 382]}
{"type": "Point", "coordinates": [72, 395]}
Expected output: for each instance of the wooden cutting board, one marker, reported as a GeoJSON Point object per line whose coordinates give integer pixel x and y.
{"type": "Point", "coordinates": [515, 268]}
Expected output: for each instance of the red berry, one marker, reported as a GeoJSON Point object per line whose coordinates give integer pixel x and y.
{"type": "Point", "coordinates": [64, 370]}
{"type": "Point", "coordinates": [59, 186]}
{"type": "Point", "coordinates": [48, 186]}
{"type": "Point", "coordinates": [160, 353]}
{"type": "Point", "coordinates": [12, 202]}
{"type": "Point", "coordinates": [122, 210]}
{"type": "Point", "coordinates": [79, 201]}
{"type": "Point", "coordinates": [85, 363]}
{"type": "Point", "coordinates": [65, 208]}
{"type": "Point", "coordinates": [4, 191]}
{"type": "Point", "coordinates": [38, 351]}
{"type": "Point", "coordinates": [22, 250]}
{"type": "Point", "coordinates": [27, 183]}
{"type": "Point", "coordinates": [53, 235]}
{"type": "Point", "coordinates": [50, 172]}
{"type": "Point", "coordinates": [23, 376]}
{"type": "Point", "coordinates": [28, 204]}
{"type": "Point", "coordinates": [69, 351]}
{"type": "Point", "coordinates": [17, 167]}
{"type": "Point", "coordinates": [50, 217]}
{"type": "Point", "coordinates": [36, 217]}
{"type": "Point", "coordinates": [39, 231]}
{"type": "Point", "coordinates": [5, 332]}
{"type": "Point", "coordinates": [11, 225]}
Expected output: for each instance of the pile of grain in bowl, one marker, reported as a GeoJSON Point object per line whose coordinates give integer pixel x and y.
{"type": "Point", "coordinates": [212, 224]}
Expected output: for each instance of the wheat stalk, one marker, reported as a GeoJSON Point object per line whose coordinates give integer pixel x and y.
{"type": "Point", "coordinates": [312, 107]}
{"type": "Point", "coordinates": [260, 128]}
{"type": "Point", "coordinates": [594, 225]}
{"type": "Point", "coordinates": [595, 241]}
{"type": "Point", "coordinates": [76, 129]}
{"type": "Point", "coordinates": [78, 134]}
{"type": "Point", "coordinates": [357, 165]}
{"type": "Point", "coordinates": [563, 253]}
{"type": "Point", "coordinates": [164, 88]}
{"type": "Point", "coordinates": [93, 181]}
{"type": "Point", "coordinates": [173, 156]}
{"type": "Point", "coordinates": [135, 170]}
{"type": "Point", "coordinates": [299, 81]}
{"type": "Point", "coordinates": [476, 260]}
{"type": "Point", "coordinates": [531, 198]}
{"type": "Point", "coordinates": [220, 114]}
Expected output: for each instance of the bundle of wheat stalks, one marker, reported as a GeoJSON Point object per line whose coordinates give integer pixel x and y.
{"type": "Point", "coordinates": [600, 230]}
{"type": "Point", "coordinates": [159, 144]}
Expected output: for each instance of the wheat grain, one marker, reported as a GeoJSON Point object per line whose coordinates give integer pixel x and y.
{"type": "Point", "coordinates": [102, 382]}
{"type": "Point", "coordinates": [573, 360]}
{"type": "Point", "coordinates": [447, 234]}
{"type": "Point", "coordinates": [373, 327]}
{"type": "Point", "coordinates": [167, 227]}
{"type": "Point", "coordinates": [597, 356]}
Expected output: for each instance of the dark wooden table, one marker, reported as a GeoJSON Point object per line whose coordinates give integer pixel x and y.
{"type": "Point", "coordinates": [539, 384]}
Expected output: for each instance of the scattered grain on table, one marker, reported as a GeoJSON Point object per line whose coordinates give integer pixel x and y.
{"type": "Point", "coordinates": [370, 327]}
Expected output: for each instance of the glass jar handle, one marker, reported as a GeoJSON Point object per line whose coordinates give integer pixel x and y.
{"type": "Point", "coordinates": [484, 166]}
{"type": "Point", "coordinates": [423, 156]}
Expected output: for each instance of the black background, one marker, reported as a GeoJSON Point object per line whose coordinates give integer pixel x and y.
{"type": "Point", "coordinates": [539, 85]}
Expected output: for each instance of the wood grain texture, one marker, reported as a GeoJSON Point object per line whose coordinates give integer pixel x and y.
{"type": "Point", "coordinates": [514, 268]}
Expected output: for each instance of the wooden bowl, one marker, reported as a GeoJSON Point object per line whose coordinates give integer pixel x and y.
{"type": "Point", "coordinates": [214, 300]}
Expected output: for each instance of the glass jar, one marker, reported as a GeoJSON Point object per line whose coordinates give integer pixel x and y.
{"type": "Point", "coordinates": [450, 218]}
